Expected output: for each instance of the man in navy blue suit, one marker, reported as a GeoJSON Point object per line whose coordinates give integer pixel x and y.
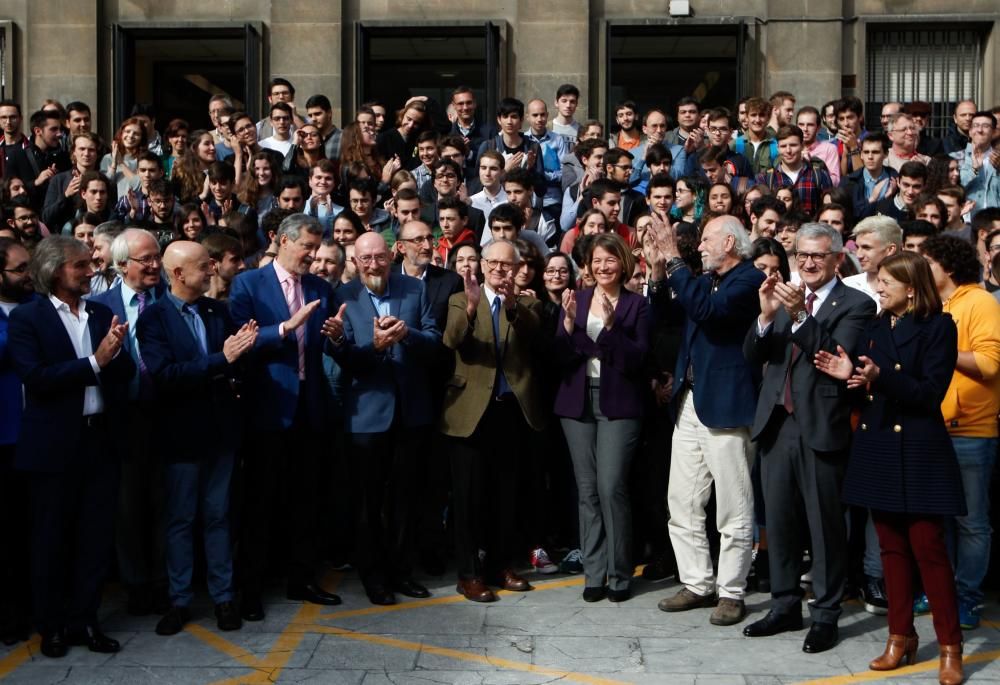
{"type": "Point", "coordinates": [190, 347]}
{"type": "Point", "coordinates": [68, 353]}
{"type": "Point", "coordinates": [139, 541]}
{"type": "Point", "coordinates": [288, 412]}
{"type": "Point", "coordinates": [15, 290]}
{"type": "Point", "coordinates": [385, 338]}
{"type": "Point", "coordinates": [714, 402]}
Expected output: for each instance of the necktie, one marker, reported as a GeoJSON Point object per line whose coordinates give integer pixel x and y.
{"type": "Point", "coordinates": [293, 300]}
{"type": "Point", "coordinates": [796, 351]}
{"type": "Point", "coordinates": [500, 386]}
{"type": "Point", "coordinates": [197, 327]}
{"type": "Point", "coordinates": [145, 382]}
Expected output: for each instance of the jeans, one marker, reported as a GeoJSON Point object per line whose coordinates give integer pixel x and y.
{"type": "Point", "coordinates": [970, 534]}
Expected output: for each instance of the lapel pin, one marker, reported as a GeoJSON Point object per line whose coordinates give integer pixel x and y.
{"type": "Point", "coordinates": [833, 304]}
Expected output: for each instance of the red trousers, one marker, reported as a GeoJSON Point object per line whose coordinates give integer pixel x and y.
{"type": "Point", "coordinates": [906, 538]}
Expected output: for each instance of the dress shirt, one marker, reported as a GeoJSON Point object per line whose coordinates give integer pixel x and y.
{"type": "Point", "coordinates": [485, 202]}
{"type": "Point", "coordinates": [79, 335]}
{"type": "Point", "coordinates": [820, 294]}
{"type": "Point", "coordinates": [380, 302]}
{"type": "Point", "coordinates": [860, 282]}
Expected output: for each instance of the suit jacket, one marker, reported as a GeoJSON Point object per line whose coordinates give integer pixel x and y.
{"type": "Point", "coordinates": [112, 298]}
{"type": "Point", "coordinates": [193, 390]}
{"type": "Point", "coordinates": [273, 388]}
{"type": "Point", "coordinates": [470, 390]}
{"type": "Point", "coordinates": [398, 377]}
{"type": "Point", "coordinates": [821, 402]}
{"type": "Point", "coordinates": [902, 459]}
{"type": "Point", "coordinates": [58, 209]}
{"type": "Point", "coordinates": [54, 381]}
{"type": "Point", "coordinates": [854, 183]}
{"type": "Point", "coordinates": [11, 394]}
{"type": "Point", "coordinates": [621, 350]}
{"type": "Point", "coordinates": [717, 314]}
{"type": "Point", "coordinates": [440, 285]}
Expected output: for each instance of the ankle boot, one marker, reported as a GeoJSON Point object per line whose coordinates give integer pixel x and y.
{"type": "Point", "coordinates": [897, 647]}
{"type": "Point", "coordinates": [950, 670]}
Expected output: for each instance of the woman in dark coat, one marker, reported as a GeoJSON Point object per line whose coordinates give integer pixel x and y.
{"type": "Point", "coordinates": [902, 465]}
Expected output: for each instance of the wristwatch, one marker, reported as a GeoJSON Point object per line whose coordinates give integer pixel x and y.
{"type": "Point", "coordinates": [800, 316]}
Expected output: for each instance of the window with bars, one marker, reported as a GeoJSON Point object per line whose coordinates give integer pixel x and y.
{"type": "Point", "coordinates": [6, 59]}
{"type": "Point", "coordinates": [940, 64]}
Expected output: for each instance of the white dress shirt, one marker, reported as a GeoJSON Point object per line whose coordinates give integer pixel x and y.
{"type": "Point", "coordinates": [79, 335]}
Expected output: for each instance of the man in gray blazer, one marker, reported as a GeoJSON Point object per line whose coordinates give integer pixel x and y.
{"type": "Point", "coordinates": [802, 428]}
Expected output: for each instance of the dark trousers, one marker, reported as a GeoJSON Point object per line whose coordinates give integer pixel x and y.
{"type": "Point", "coordinates": [386, 473]}
{"type": "Point", "coordinates": [140, 525]}
{"type": "Point", "coordinates": [648, 486]}
{"type": "Point", "coordinates": [15, 599]}
{"type": "Point", "coordinates": [484, 489]}
{"type": "Point", "coordinates": [280, 492]}
{"type": "Point", "coordinates": [905, 538]}
{"type": "Point", "coordinates": [72, 538]}
{"type": "Point", "coordinates": [796, 479]}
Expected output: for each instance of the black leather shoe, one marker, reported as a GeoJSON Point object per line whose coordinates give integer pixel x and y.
{"type": "Point", "coordinates": [379, 595]}
{"type": "Point", "coordinates": [821, 637]}
{"type": "Point", "coordinates": [312, 593]}
{"type": "Point", "coordinates": [619, 595]}
{"type": "Point", "coordinates": [17, 631]}
{"type": "Point", "coordinates": [54, 644]}
{"type": "Point", "coordinates": [93, 639]}
{"type": "Point", "coordinates": [227, 617]}
{"type": "Point", "coordinates": [411, 588]}
{"type": "Point", "coordinates": [774, 623]}
{"type": "Point", "coordinates": [595, 594]}
{"type": "Point", "coordinates": [173, 621]}
{"type": "Point", "coordinates": [251, 608]}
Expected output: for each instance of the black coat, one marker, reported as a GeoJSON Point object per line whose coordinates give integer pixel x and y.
{"type": "Point", "coordinates": [902, 459]}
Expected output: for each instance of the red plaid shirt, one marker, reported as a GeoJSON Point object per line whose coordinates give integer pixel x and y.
{"type": "Point", "coordinates": [808, 187]}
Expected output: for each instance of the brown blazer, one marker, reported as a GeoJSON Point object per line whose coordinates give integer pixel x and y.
{"type": "Point", "coordinates": [470, 390]}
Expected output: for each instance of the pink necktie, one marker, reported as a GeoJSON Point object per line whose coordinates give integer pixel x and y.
{"type": "Point", "coordinates": [294, 302]}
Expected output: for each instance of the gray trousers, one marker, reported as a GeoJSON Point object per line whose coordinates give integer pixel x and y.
{"type": "Point", "coordinates": [795, 479]}
{"type": "Point", "coordinates": [602, 450]}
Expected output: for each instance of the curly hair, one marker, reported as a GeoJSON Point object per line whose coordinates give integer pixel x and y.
{"type": "Point", "coordinates": [956, 256]}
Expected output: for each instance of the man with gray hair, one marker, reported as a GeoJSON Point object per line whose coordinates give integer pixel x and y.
{"type": "Point", "coordinates": [287, 403]}
{"type": "Point", "coordinates": [802, 428]}
{"type": "Point", "coordinates": [877, 237]}
{"type": "Point", "coordinates": [715, 393]}
{"type": "Point", "coordinates": [66, 351]}
{"type": "Point", "coordinates": [139, 539]}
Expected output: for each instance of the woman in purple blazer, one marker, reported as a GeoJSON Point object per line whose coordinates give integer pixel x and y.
{"type": "Point", "coordinates": [602, 343]}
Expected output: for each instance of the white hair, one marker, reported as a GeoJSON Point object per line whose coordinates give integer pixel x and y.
{"type": "Point", "coordinates": [120, 249]}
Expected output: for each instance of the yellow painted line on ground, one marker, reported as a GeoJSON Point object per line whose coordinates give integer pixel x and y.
{"type": "Point", "coordinates": [221, 644]}
{"type": "Point", "coordinates": [467, 656]}
{"type": "Point", "coordinates": [923, 667]}
{"type": "Point", "coordinates": [449, 599]}
{"type": "Point", "coordinates": [18, 656]}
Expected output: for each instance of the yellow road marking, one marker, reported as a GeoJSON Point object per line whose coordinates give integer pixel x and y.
{"type": "Point", "coordinates": [923, 667]}
{"type": "Point", "coordinates": [449, 599]}
{"type": "Point", "coordinates": [18, 656]}
{"type": "Point", "coordinates": [467, 656]}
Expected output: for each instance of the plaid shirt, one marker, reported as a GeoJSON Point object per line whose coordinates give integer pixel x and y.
{"type": "Point", "coordinates": [808, 187]}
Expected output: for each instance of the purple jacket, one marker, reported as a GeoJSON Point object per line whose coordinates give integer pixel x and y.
{"type": "Point", "coordinates": [622, 352]}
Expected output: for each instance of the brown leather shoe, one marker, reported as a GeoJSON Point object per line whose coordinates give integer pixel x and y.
{"type": "Point", "coordinates": [475, 589]}
{"type": "Point", "coordinates": [950, 670]}
{"type": "Point", "coordinates": [508, 580]}
{"type": "Point", "coordinates": [897, 648]}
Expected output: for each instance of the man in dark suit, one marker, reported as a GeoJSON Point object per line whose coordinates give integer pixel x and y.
{"type": "Point", "coordinates": [288, 399]}
{"type": "Point", "coordinates": [190, 347]}
{"type": "Point", "coordinates": [139, 540]}
{"type": "Point", "coordinates": [68, 353]}
{"type": "Point", "coordinates": [715, 393]}
{"type": "Point", "coordinates": [384, 337]}
{"type": "Point", "coordinates": [802, 427]}
{"type": "Point", "coordinates": [416, 245]}
{"type": "Point", "coordinates": [492, 404]}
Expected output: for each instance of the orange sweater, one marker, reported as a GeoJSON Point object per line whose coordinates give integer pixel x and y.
{"type": "Point", "coordinates": [970, 406]}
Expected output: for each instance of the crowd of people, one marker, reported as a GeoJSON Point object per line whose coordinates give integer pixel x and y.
{"type": "Point", "coordinates": [756, 350]}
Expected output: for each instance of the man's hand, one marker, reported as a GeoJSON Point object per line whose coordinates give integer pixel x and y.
{"type": "Point", "coordinates": [333, 327]}
{"type": "Point", "coordinates": [301, 316]}
{"type": "Point", "coordinates": [792, 297]}
{"type": "Point", "coordinates": [693, 142]}
{"type": "Point", "coordinates": [569, 307]}
{"type": "Point", "coordinates": [665, 235]}
{"type": "Point", "coordinates": [73, 187]}
{"type": "Point", "coordinates": [506, 292]}
{"type": "Point", "coordinates": [112, 342]}
{"type": "Point", "coordinates": [769, 301]}
{"type": "Point", "coordinates": [387, 331]}
{"type": "Point", "coordinates": [473, 293]}
{"type": "Point", "coordinates": [514, 161]}
{"type": "Point", "coordinates": [45, 175]}
{"type": "Point", "coordinates": [240, 342]}
{"type": "Point", "coordinates": [390, 168]}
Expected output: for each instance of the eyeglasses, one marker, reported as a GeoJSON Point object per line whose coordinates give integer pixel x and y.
{"type": "Point", "coordinates": [22, 269]}
{"type": "Point", "coordinates": [368, 259]}
{"type": "Point", "coordinates": [623, 167]}
{"type": "Point", "coordinates": [310, 134]}
{"type": "Point", "coordinates": [284, 118]}
{"type": "Point", "coordinates": [981, 127]}
{"type": "Point", "coordinates": [446, 176]}
{"type": "Point", "coordinates": [244, 129]}
{"type": "Point", "coordinates": [718, 129]}
{"type": "Point", "coordinates": [419, 240]}
{"type": "Point", "coordinates": [803, 257]}
{"type": "Point", "coordinates": [994, 248]}
{"type": "Point", "coordinates": [556, 272]}
{"type": "Point", "coordinates": [26, 218]}
{"type": "Point", "coordinates": [497, 265]}
{"type": "Point", "coordinates": [147, 262]}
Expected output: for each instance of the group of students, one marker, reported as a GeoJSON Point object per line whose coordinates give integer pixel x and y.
{"type": "Point", "coordinates": [602, 256]}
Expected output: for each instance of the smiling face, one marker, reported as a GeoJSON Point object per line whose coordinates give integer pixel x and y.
{"type": "Point", "coordinates": [606, 268]}
{"type": "Point", "coordinates": [894, 295]}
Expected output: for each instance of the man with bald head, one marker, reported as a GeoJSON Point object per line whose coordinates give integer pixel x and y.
{"type": "Point", "coordinates": [553, 147]}
{"type": "Point", "coordinates": [190, 349]}
{"type": "Point", "coordinates": [135, 254]}
{"type": "Point", "coordinates": [383, 335]}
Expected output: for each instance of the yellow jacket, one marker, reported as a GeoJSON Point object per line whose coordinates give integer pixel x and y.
{"type": "Point", "coordinates": [970, 406]}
